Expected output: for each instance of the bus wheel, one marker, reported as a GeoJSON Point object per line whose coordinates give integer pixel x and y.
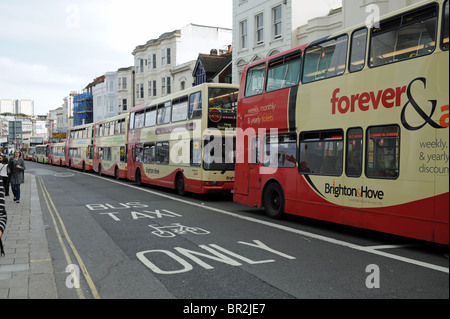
{"type": "Point", "coordinates": [179, 185]}
{"type": "Point", "coordinates": [116, 173]}
{"type": "Point", "coordinates": [138, 178]}
{"type": "Point", "coordinates": [274, 201]}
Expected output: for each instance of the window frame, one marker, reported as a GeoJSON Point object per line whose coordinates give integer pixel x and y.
{"type": "Point", "coordinates": [397, 23]}
{"type": "Point", "coordinates": [249, 70]}
{"type": "Point", "coordinates": [323, 45]}
{"type": "Point", "coordinates": [321, 136]}
{"type": "Point", "coordinates": [368, 149]}
{"type": "Point", "coordinates": [348, 156]}
{"type": "Point", "coordinates": [288, 59]}
{"type": "Point", "coordinates": [360, 66]}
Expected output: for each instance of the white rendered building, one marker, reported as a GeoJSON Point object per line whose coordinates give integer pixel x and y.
{"type": "Point", "coordinates": [165, 65]}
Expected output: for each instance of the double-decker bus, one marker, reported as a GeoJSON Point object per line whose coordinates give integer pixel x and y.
{"type": "Point", "coordinates": [185, 141]}
{"type": "Point", "coordinates": [79, 148]}
{"type": "Point", "coordinates": [110, 146]}
{"type": "Point", "coordinates": [57, 154]}
{"type": "Point", "coordinates": [353, 128]}
{"type": "Point", "coordinates": [42, 153]}
{"type": "Point", "coordinates": [29, 146]}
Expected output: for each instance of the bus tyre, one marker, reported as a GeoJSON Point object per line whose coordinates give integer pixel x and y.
{"type": "Point", "coordinates": [274, 201]}
{"type": "Point", "coordinates": [179, 185]}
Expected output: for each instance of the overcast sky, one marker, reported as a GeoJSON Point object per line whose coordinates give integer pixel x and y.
{"type": "Point", "coordinates": [51, 47]}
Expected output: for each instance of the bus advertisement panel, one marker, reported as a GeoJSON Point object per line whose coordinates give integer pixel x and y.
{"type": "Point", "coordinates": [185, 141]}
{"type": "Point", "coordinates": [79, 149]}
{"type": "Point", "coordinates": [110, 146]}
{"type": "Point", "coordinates": [353, 129]}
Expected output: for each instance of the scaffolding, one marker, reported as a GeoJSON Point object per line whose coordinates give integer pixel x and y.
{"type": "Point", "coordinates": [83, 109]}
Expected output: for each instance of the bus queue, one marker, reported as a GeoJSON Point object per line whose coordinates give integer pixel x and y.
{"type": "Point", "coordinates": [351, 129]}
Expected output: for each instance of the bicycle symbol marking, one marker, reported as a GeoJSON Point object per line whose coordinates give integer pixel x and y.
{"type": "Point", "coordinates": [176, 229]}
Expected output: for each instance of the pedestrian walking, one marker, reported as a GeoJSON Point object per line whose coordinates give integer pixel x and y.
{"type": "Point", "coordinates": [3, 217]}
{"type": "Point", "coordinates": [16, 168]}
{"type": "Point", "coordinates": [4, 173]}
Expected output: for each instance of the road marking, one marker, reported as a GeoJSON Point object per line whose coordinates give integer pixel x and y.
{"type": "Point", "coordinates": [40, 260]}
{"type": "Point", "coordinates": [370, 250]}
{"type": "Point", "coordinates": [88, 278]}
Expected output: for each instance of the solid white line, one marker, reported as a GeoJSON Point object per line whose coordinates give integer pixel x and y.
{"type": "Point", "coordinates": [370, 250]}
{"type": "Point", "coordinates": [388, 246]}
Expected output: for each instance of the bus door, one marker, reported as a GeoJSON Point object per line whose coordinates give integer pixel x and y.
{"type": "Point", "coordinates": [247, 169]}
{"type": "Point", "coordinates": [254, 177]}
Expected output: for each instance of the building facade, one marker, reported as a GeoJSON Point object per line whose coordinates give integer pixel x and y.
{"type": "Point", "coordinates": [17, 106]}
{"type": "Point", "coordinates": [165, 65]}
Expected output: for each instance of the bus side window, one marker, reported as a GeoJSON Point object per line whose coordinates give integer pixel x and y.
{"type": "Point", "coordinates": [281, 150]}
{"type": "Point", "coordinates": [255, 154]}
{"type": "Point", "coordinates": [254, 83]}
{"type": "Point", "coordinates": [383, 152]}
{"type": "Point", "coordinates": [132, 121]}
{"type": "Point", "coordinates": [149, 153]}
{"type": "Point", "coordinates": [325, 60]}
{"type": "Point", "coordinates": [150, 116]}
{"type": "Point", "coordinates": [195, 105]}
{"type": "Point", "coordinates": [321, 153]}
{"type": "Point", "coordinates": [445, 28]}
{"type": "Point", "coordinates": [353, 167]}
{"type": "Point", "coordinates": [196, 152]}
{"type": "Point", "coordinates": [404, 37]}
{"type": "Point", "coordinates": [358, 50]}
{"type": "Point", "coordinates": [179, 109]}
{"type": "Point", "coordinates": [283, 72]}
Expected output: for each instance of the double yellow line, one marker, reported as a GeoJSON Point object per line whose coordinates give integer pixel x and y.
{"type": "Point", "coordinates": [54, 212]}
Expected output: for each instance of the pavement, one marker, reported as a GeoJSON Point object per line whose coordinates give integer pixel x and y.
{"type": "Point", "coordinates": [26, 270]}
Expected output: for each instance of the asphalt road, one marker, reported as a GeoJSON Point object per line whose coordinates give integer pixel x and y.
{"type": "Point", "coordinates": [145, 242]}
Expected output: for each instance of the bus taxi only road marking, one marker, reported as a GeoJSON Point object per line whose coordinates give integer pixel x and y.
{"type": "Point", "coordinates": [150, 258]}
{"type": "Point", "coordinates": [370, 250]}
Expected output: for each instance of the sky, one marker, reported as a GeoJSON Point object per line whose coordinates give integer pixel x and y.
{"type": "Point", "coordinates": [49, 48]}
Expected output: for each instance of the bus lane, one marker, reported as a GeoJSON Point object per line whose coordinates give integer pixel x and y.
{"type": "Point", "coordinates": [200, 248]}
{"type": "Point", "coordinates": [189, 242]}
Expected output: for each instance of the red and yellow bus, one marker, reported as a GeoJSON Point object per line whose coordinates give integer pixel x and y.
{"type": "Point", "coordinates": [185, 141]}
{"type": "Point", "coordinates": [79, 148]}
{"type": "Point", "coordinates": [353, 128]}
{"type": "Point", "coordinates": [110, 146]}
{"type": "Point", "coordinates": [57, 154]}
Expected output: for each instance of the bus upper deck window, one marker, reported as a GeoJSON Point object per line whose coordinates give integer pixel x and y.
{"type": "Point", "coordinates": [195, 105]}
{"type": "Point", "coordinates": [404, 37]}
{"type": "Point", "coordinates": [325, 60]}
{"type": "Point", "coordinates": [254, 84]}
{"type": "Point", "coordinates": [283, 72]}
{"type": "Point", "coordinates": [358, 50]}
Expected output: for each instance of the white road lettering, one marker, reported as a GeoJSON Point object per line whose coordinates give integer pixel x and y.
{"type": "Point", "coordinates": [146, 257]}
